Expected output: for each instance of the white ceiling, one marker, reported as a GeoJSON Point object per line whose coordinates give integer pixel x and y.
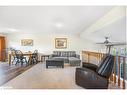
{"type": "Point", "coordinates": [47, 19]}
{"type": "Point", "coordinates": [112, 25]}
{"type": "Point", "coordinates": [116, 32]}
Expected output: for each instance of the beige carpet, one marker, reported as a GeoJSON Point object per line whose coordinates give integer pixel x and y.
{"type": "Point", "coordinates": [38, 77]}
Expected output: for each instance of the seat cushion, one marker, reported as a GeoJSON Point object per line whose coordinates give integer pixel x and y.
{"type": "Point", "coordinates": [63, 58]}
{"type": "Point", "coordinates": [60, 57]}
{"type": "Point", "coordinates": [73, 59]}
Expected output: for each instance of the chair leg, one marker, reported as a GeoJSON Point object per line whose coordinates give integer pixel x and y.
{"type": "Point", "coordinates": [36, 61]}
{"type": "Point", "coordinates": [26, 62]}
{"type": "Point", "coordinates": [17, 61]}
{"type": "Point", "coordinates": [13, 60]}
{"type": "Point", "coordinates": [31, 61]}
{"type": "Point", "coordinates": [22, 62]}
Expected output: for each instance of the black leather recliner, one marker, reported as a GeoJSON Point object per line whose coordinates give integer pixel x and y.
{"type": "Point", "coordinates": [91, 76]}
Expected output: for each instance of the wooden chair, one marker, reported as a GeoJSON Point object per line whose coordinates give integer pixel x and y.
{"type": "Point", "coordinates": [20, 58]}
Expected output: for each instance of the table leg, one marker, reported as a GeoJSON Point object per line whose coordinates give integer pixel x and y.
{"type": "Point", "coordinates": [44, 58]}
{"type": "Point", "coordinates": [30, 60]}
{"type": "Point", "coordinates": [41, 58]}
{"type": "Point", "coordinates": [9, 59]}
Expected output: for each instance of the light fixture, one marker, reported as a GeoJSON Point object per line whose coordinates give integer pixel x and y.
{"type": "Point", "coordinates": [59, 25]}
{"type": "Point", "coordinates": [12, 29]}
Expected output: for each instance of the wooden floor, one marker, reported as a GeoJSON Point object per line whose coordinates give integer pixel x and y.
{"type": "Point", "coordinates": [9, 72]}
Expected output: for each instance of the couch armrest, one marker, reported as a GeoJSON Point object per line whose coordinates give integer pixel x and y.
{"type": "Point", "coordinates": [50, 56]}
{"type": "Point", "coordinates": [89, 66]}
{"type": "Point", "coordinates": [77, 56]}
{"type": "Point", "coordinates": [90, 79]}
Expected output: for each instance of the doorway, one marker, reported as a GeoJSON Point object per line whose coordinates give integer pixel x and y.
{"type": "Point", "coordinates": [2, 49]}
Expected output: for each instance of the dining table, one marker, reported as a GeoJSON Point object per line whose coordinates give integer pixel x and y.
{"type": "Point", "coordinates": [29, 54]}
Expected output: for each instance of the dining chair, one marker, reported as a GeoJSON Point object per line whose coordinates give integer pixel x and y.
{"type": "Point", "coordinates": [13, 53]}
{"type": "Point", "coordinates": [20, 58]}
{"type": "Point", "coordinates": [34, 57]}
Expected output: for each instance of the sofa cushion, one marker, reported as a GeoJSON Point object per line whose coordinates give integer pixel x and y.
{"type": "Point", "coordinates": [62, 58]}
{"type": "Point", "coordinates": [74, 61]}
{"type": "Point", "coordinates": [71, 54]}
{"type": "Point", "coordinates": [64, 54]}
{"type": "Point", "coordinates": [57, 53]}
{"type": "Point", "coordinates": [73, 58]}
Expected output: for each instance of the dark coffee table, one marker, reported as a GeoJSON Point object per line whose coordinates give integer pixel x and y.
{"type": "Point", "coordinates": [55, 62]}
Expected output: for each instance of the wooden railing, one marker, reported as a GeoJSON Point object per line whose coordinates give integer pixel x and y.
{"type": "Point", "coordinates": [116, 77]}
{"type": "Point", "coordinates": [119, 74]}
{"type": "Point", "coordinates": [87, 56]}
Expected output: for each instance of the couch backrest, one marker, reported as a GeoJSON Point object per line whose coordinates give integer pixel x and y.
{"type": "Point", "coordinates": [106, 67]}
{"type": "Point", "coordinates": [65, 53]}
{"type": "Point", "coordinates": [71, 54]}
{"type": "Point", "coordinates": [57, 53]}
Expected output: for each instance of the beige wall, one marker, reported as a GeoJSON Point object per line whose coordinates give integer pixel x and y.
{"type": "Point", "coordinates": [46, 43]}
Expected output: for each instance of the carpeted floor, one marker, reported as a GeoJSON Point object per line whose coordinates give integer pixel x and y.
{"type": "Point", "coordinates": [38, 77]}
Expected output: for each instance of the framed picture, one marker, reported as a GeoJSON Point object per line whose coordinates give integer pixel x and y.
{"type": "Point", "coordinates": [26, 42]}
{"type": "Point", "coordinates": [60, 43]}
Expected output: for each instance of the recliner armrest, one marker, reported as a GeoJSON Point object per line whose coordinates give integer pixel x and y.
{"type": "Point", "coordinates": [89, 66]}
{"type": "Point", "coordinates": [89, 79]}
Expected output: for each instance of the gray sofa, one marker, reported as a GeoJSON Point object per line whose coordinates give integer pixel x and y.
{"type": "Point", "coordinates": [67, 56]}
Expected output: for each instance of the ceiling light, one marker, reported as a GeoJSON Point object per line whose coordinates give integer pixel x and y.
{"type": "Point", "coordinates": [59, 25]}
{"type": "Point", "coordinates": [12, 29]}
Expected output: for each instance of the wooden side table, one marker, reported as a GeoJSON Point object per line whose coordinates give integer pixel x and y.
{"type": "Point", "coordinates": [43, 57]}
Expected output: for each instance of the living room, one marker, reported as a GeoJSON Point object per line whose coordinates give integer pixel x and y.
{"type": "Point", "coordinates": [44, 28]}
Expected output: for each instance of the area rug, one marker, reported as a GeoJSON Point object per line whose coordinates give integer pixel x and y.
{"type": "Point", "coordinates": [38, 77]}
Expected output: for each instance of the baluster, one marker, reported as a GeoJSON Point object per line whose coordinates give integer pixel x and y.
{"type": "Point", "coordinates": [83, 55]}
{"type": "Point", "coordinates": [101, 55]}
{"type": "Point", "coordinates": [98, 57]}
{"type": "Point", "coordinates": [118, 70]}
{"type": "Point", "coordinates": [111, 77]}
{"type": "Point", "coordinates": [115, 69]}
{"type": "Point", "coordinates": [88, 58]}
{"type": "Point", "coordinates": [124, 64]}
